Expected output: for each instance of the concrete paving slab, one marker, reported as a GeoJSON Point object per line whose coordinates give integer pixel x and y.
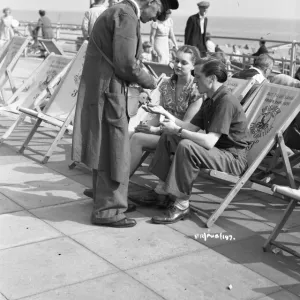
{"type": "Point", "coordinates": [84, 179]}
{"type": "Point", "coordinates": [114, 287]}
{"type": "Point", "coordinates": [141, 245]}
{"type": "Point", "coordinates": [40, 267]}
{"type": "Point", "coordinates": [68, 218]}
{"type": "Point", "coordinates": [281, 269]}
{"type": "Point", "coordinates": [8, 206]}
{"type": "Point", "coordinates": [295, 289]}
{"type": "Point", "coordinates": [42, 193]}
{"type": "Point", "coordinates": [229, 228]}
{"type": "Point", "coordinates": [21, 228]}
{"type": "Point", "coordinates": [282, 295]}
{"type": "Point", "coordinates": [203, 275]}
{"type": "Point", "coordinates": [63, 168]}
{"type": "Point", "coordinates": [273, 212]}
{"type": "Point", "coordinates": [2, 297]}
{"type": "Point", "coordinates": [15, 173]}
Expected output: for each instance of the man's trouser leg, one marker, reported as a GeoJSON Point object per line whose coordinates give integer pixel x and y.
{"type": "Point", "coordinates": [110, 197]}
{"type": "Point", "coordinates": [180, 175]}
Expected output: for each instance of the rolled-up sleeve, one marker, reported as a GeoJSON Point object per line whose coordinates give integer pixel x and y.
{"type": "Point", "coordinates": [125, 40]}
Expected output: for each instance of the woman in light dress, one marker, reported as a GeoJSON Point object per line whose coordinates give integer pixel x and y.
{"type": "Point", "coordinates": [159, 38]}
{"type": "Point", "coordinates": [8, 26]}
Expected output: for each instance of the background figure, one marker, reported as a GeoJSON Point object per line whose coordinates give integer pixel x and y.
{"type": "Point", "coordinates": [195, 30]}
{"type": "Point", "coordinates": [45, 24]}
{"type": "Point", "coordinates": [237, 59]}
{"type": "Point", "coordinates": [210, 45]}
{"type": "Point", "coordinates": [91, 16]}
{"type": "Point", "coordinates": [262, 48]}
{"type": "Point", "coordinates": [161, 31]}
{"type": "Point", "coordinates": [8, 26]}
{"type": "Point", "coordinates": [147, 52]}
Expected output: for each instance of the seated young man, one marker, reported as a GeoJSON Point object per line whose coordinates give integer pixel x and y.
{"type": "Point", "coordinates": [221, 147]}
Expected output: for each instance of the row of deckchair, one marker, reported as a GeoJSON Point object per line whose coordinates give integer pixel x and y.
{"type": "Point", "coordinates": [270, 109]}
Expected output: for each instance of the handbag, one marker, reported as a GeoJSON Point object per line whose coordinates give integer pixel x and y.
{"type": "Point", "coordinates": [132, 93]}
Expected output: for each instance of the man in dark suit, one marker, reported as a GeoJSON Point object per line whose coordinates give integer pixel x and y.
{"type": "Point", "coordinates": [195, 30]}
{"type": "Point", "coordinates": [262, 48]}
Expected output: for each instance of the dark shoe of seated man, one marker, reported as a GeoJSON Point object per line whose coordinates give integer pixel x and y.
{"type": "Point", "coordinates": [151, 198]}
{"type": "Point", "coordinates": [172, 215]}
{"type": "Point", "coordinates": [124, 223]}
{"type": "Point", "coordinates": [89, 193]}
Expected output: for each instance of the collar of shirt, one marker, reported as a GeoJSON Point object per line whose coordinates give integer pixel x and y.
{"type": "Point", "coordinates": [219, 93]}
{"type": "Point", "coordinates": [201, 17]}
{"type": "Point", "coordinates": [137, 8]}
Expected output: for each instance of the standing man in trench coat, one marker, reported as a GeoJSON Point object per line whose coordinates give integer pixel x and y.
{"type": "Point", "coordinates": [100, 138]}
{"type": "Point", "coordinates": [195, 30]}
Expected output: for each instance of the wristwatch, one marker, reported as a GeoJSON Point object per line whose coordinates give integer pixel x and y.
{"type": "Point", "coordinates": [179, 132]}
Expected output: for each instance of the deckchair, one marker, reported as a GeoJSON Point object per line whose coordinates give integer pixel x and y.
{"type": "Point", "coordinates": [34, 99]}
{"type": "Point", "coordinates": [8, 60]}
{"type": "Point", "coordinates": [239, 87]}
{"type": "Point", "coordinates": [272, 114]}
{"type": "Point", "coordinates": [51, 46]}
{"type": "Point", "coordinates": [294, 197]}
{"type": "Point", "coordinates": [38, 81]}
{"type": "Point", "coordinates": [60, 109]}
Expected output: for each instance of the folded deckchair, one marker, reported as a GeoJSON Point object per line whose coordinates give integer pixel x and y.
{"type": "Point", "coordinates": [239, 87]}
{"type": "Point", "coordinates": [38, 87]}
{"type": "Point", "coordinates": [38, 81]}
{"type": "Point", "coordinates": [271, 115]}
{"type": "Point", "coordinates": [8, 60]}
{"type": "Point", "coordinates": [60, 109]}
{"type": "Point", "coordinates": [51, 46]}
{"type": "Point", "coordinates": [294, 196]}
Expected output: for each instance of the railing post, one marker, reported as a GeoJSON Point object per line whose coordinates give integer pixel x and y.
{"type": "Point", "coordinates": [57, 31]}
{"type": "Point", "coordinates": [292, 59]}
{"type": "Point", "coordinates": [283, 65]}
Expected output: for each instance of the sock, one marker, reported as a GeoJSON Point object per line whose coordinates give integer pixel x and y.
{"type": "Point", "coordinates": [182, 204]}
{"type": "Point", "coordinates": [160, 188]}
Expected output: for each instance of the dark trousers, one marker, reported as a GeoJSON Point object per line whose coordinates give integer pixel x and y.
{"type": "Point", "coordinates": [180, 173]}
{"type": "Point", "coordinates": [110, 197]}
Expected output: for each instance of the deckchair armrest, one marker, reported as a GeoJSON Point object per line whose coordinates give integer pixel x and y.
{"type": "Point", "coordinates": [221, 175]}
{"type": "Point", "coordinates": [28, 111]}
{"type": "Point", "coordinates": [286, 191]}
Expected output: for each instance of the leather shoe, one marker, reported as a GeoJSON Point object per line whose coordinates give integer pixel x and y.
{"type": "Point", "coordinates": [89, 193]}
{"type": "Point", "coordinates": [124, 223]}
{"type": "Point", "coordinates": [149, 198]}
{"type": "Point", "coordinates": [172, 215]}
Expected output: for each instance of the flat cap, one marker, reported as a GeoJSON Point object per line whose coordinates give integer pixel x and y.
{"type": "Point", "coordinates": [204, 4]}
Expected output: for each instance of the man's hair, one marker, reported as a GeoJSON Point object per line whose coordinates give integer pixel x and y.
{"type": "Point", "coordinates": [147, 45]}
{"type": "Point", "coordinates": [213, 67]}
{"type": "Point", "coordinates": [42, 12]}
{"type": "Point", "coordinates": [263, 62]}
{"type": "Point", "coordinates": [262, 41]}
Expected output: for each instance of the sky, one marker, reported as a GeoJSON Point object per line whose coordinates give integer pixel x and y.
{"type": "Point", "coordinates": [286, 9]}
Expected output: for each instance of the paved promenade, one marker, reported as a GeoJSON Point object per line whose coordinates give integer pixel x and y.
{"type": "Point", "coordinates": [50, 251]}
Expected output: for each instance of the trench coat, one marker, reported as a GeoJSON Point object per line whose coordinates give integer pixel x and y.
{"type": "Point", "coordinates": [100, 138]}
{"type": "Point", "coordinates": [193, 35]}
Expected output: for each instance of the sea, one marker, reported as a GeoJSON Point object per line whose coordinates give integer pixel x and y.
{"type": "Point", "coordinates": [250, 27]}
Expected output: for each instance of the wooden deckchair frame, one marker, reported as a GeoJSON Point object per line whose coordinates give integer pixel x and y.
{"type": "Point", "coordinates": [59, 49]}
{"type": "Point", "coordinates": [9, 69]}
{"type": "Point", "coordinates": [271, 241]}
{"type": "Point", "coordinates": [247, 86]}
{"type": "Point", "coordinates": [17, 93]}
{"type": "Point", "coordinates": [49, 90]}
{"type": "Point", "coordinates": [42, 116]}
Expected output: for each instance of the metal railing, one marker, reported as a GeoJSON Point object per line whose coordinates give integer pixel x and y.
{"type": "Point", "coordinates": [71, 35]}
